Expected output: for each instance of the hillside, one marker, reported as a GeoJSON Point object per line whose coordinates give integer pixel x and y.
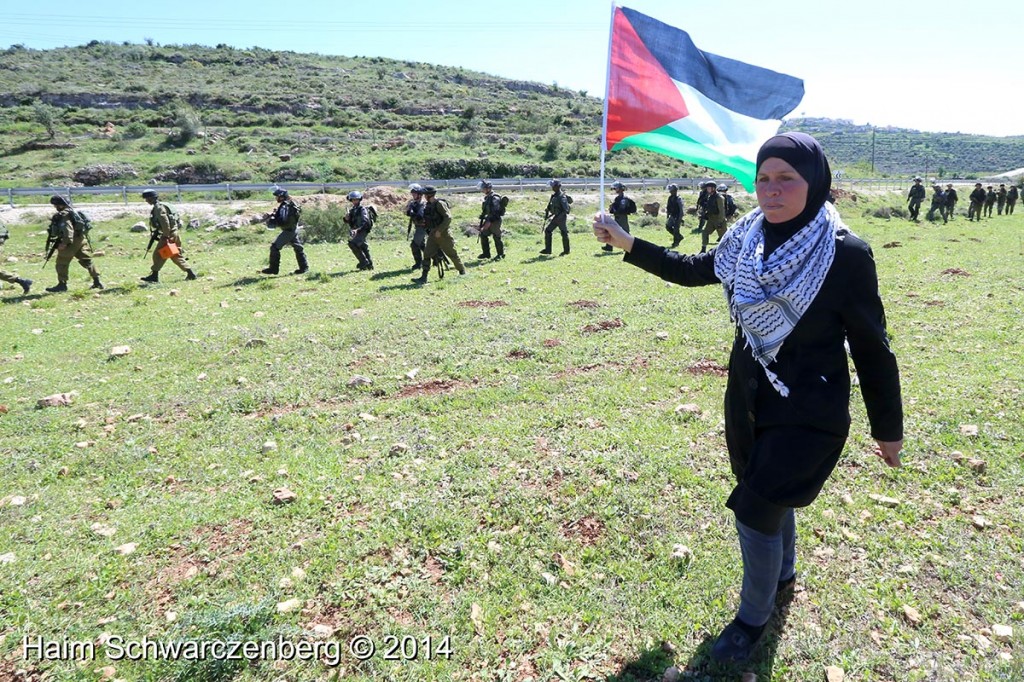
{"type": "Point", "coordinates": [108, 113]}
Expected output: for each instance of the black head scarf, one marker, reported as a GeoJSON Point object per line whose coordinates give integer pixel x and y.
{"type": "Point", "coordinates": [805, 155]}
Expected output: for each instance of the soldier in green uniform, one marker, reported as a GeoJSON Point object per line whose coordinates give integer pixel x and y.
{"type": "Point", "coordinates": [68, 233]}
{"type": "Point", "coordinates": [438, 219]}
{"type": "Point", "coordinates": [1011, 199]}
{"type": "Point", "coordinates": [416, 229]}
{"type": "Point", "coordinates": [556, 214]}
{"type": "Point", "coordinates": [714, 209]}
{"type": "Point", "coordinates": [25, 284]}
{"type": "Point", "coordinates": [490, 222]}
{"type": "Point", "coordinates": [359, 224]}
{"type": "Point", "coordinates": [1000, 199]}
{"type": "Point", "coordinates": [286, 217]}
{"type": "Point", "coordinates": [165, 224]}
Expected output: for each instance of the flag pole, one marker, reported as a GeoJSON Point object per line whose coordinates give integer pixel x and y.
{"type": "Point", "coordinates": [604, 116]}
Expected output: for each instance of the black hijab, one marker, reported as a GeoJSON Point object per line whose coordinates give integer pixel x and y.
{"type": "Point", "coordinates": [805, 155]}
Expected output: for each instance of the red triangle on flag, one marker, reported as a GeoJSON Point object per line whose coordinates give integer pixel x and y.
{"type": "Point", "coordinates": [641, 95]}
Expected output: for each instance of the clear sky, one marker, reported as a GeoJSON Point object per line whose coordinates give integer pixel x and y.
{"type": "Point", "coordinates": [886, 63]}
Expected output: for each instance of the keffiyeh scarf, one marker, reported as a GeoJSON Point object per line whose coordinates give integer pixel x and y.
{"type": "Point", "coordinates": [768, 296]}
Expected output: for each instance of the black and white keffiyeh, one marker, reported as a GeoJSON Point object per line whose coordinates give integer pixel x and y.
{"type": "Point", "coordinates": [768, 296]}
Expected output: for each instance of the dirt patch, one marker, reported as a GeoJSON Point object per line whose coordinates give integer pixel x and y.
{"type": "Point", "coordinates": [575, 371]}
{"type": "Point", "coordinates": [432, 387]}
{"type": "Point", "coordinates": [584, 304]}
{"type": "Point", "coordinates": [708, 367]}
{"type": "Point", "coordinates": [520, 354]}
{"type": "Point", "coordinates": [482, 304]}
{"type": "Point", "coordinates": [603, 326]}
{"type": "Point", "coordinates": [16, 671]}
{"type": "Point", "coordinates": [434, 570]}
{"type": "Point", "coordinates": [957, 272]}
{"type": "Point", "coordinates": [587, 530]}
{"type": "Point", "coordinates": [935, 303]}
{"type": "Point", "coordinates": [552, 343]}
{"type": "Point", "coordinates": [892, 245]}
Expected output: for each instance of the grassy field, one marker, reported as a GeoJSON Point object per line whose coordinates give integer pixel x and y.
{"type": "Point", "coordinates": [507, 498]}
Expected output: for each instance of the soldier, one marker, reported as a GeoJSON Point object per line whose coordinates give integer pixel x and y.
{"type": "Point", "coordinates": [556, 215]}
{"type": "Point", "coordinates": [730, 205]}
{"type": "Point", "coordinates": [414, 209]}
{"type": "Point", "coordinates": [938, 204]}
{"type": "Point", "coordinates": [674, 215]}
{"type": "Point", "coordinates": [25, 284]}
{"type": "Point", "coordinates": [285, 217]}
{"type": "Point", "coordinates": [714, 207]}
{"type": "Point", "coordinates": [977, 203]}
{"type": "Point", "coordinates": [702, 203]}
{"type": "Point", "coordinates": [914, 199]}
{"type": "Point", "coordinates": [990, 201]}
{"type": "Point", "coordinates": [359, 222]}
{"type": "Point", "coordinates": [1011, 199]}
{"type": "Point", "coordinates": [951, 199]}
{"type": "Point", "coordinates": [69, 236]}
{"type": "Point", "coordinates": [1001, 199]}
{"type": "Point", "coordinates": [491, 212]}
{"type": "Point", "coordinates": [164, 225]}
{"type": "Point", "coordinates": [621, 208]}
{"type": "Point", "coordinates": [438, 218]}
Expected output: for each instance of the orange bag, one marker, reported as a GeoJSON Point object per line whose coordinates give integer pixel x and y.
{"type": "Point", "coordinates": [169, 250]}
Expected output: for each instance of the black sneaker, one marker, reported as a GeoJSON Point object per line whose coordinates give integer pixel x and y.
{"type": "Point", "coordinates": [483, 256]}
{"type": "Point", "coordinates": [545, 252]}
{"type": "Point", "coordinates": [26, 284]}
{"type": "Point", "coordinates": [419, 280]}
{"type": "Point", "coordinates": [736, 642]}
{"type": "Point", "coordinates": [96, 284]}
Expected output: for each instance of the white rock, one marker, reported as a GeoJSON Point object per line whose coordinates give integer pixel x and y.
{"type": "Point", "coordinates": [682, 553]}
{"type": "Point", "coordinates": [120, 351]}
{"type": "Point", "coordinates": [671, 674]}
{"type": "Point", "coordinates": [269, 446]}
{"type": "Point", "coordinates": [834, 674]}
{"type": "Point", "coordinates": [322, 631]}
{"type": "Point", "coordinates": [360, 380]}
{"type": "Point", "coordinates": [285, 583]}
{"type": "Point", "coordinates": [1002, 633]}
{"type": "Point", "coordinates": [17, 501]}
{"type": "Point", "coordinates": [127, 548]}
{"type": "Point", "coordinates": [298, 574]}
{"type": "Point", "coordinates": [289, 606]}
{"type": "Point", "coordinates": [7, 558]}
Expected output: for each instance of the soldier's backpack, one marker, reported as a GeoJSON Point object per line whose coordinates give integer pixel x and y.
{"type": "Point", "coordinates": [81, 223]}
{"type": "Point", "coordinates": [730, 206]}
{"type": "Point", "coordinates": [568, 203]}
{"type": "Point", "coordinates": [503, 203]}
{"type": "Point", "coordinates": [298, 211]}
{"type": "Point", "coordinates": [172, 217]}
{"type": "Point", "coordinates": [371, 213]}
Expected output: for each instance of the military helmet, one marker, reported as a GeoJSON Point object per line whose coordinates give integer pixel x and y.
{"type": "Point", "coordinates": [917, 179]}
{"type": "Point", "coordinates": [147, 193]}
{"type": "Point", "coordinates": [280, 192]}
{"type": "Point", "coordinates": [355, 195]}
{"type": "Point", "coordinates": [484, 184]}
{"type": "Point", "coordinates": [722, 187]}
{"type": "Point", "coordinates": [429, 190]}
{"type": "Point", "coordinates": [554, 183]}
{"type": "Point", "coordinates": [416, 187]}
{"type": "Point", "coordinates": [618, 185]}
{"type": "Point", "coordinates": [58, 200]}
{"type": "Point", "coordinates": [673, 187]}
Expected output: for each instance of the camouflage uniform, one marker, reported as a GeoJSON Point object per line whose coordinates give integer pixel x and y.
{"type": "Point", "coordinates": [359, 223]}
{"type": "Point", "coordinates": [714, 208]}
{"type": "Point", "coordinates": [438, 219]}
{"type": "Point", "coordinates": [1001, 199]}
{"type": "Point", "coordinates": [674, 216]}
{"type": "Point", "coordinates": [951, 199]}
{"type": "Point", "coordinates": [990, 201]}
{"type": "Point", "coordinates": [490, 226]}
{"type": "Point", "coordinates": [417, 227]}
{"type": "Point", "coordinates": [702, 204]}
{"type": "Point", "coordinates": [558, 210]}
{"type": "Point", "coordinates": [977, 198]}
{"type": "Point", "coordinates": [1011, 199]}
{"type": "Point", "coordinates": [286, 217]}
{"type": "Point", "coordinates": [72, 243]}
{"type": "Point", "coordinates": [6, 276]}
{"type": "Point", "coordinates": [164, 226]}
{"type": "Point", "coordinates": [938, 204]}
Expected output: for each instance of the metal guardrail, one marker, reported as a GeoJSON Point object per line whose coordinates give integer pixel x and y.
{"type": "Point", "coordinates": [448, 186]}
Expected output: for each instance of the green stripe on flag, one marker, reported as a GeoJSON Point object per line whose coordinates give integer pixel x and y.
{"type": "Point", "coordinates": [669, 141]}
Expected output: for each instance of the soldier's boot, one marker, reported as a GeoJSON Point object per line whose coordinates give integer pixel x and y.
{"type": "Point", "coordinates": [58, 288]}
{"type": "Point", "coordinates": [565, 244]}
{"type": "Point", "coordinates": [151, 277]}
{"type": "Point", "coordinates": [485, 245]}
{"type": "Point", "coordinates": [275, 262]}
{"type": "Point", "coordinates": [546, 251]}
{"type": "Point", "coordinates": [417, 256]}
{"type": "Point", "coordinates": [96, 283]}
{"type": "Point", "coordinates": [423, 278]}
{"type": "Point", "coordinates": [190, 275]}
{"type": "Point", "coordinates": [300, 259]}
{"type": "Point", "coordinates": [607, 247]}
{"type": "Point", "coordinates": [366, 257]}
{"type": "Point", "coordinates": [499, 246]}
{"type": "Point", "coordinates": [25, 284]}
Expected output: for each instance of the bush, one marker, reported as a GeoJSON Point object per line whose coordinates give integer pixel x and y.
{"type": "Point", "coordinates": [135, 131]}
{"type": "Point", "coordinates": [325, 224]}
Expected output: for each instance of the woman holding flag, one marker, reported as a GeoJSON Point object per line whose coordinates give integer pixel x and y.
{"type": "Point", "coordinates": [800, 286]}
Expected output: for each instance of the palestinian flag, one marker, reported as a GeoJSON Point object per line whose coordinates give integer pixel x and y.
{"type": "Point", "coordinates": [666, 95]}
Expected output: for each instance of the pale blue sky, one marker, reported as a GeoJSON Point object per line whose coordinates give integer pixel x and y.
{"type": "Point", "coordinates": [916, 65]}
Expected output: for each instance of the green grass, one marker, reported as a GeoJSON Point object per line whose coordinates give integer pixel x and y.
{"type": "Point", "coordinates": [545, 479]}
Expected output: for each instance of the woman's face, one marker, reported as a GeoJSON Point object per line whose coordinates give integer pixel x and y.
{"type": "Point", "coordinates": [781, 191]}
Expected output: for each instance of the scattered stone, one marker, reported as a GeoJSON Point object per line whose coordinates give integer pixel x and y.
{"type": "Point", "coordinates": [689, 410]}
{"type": "Point", "coordinates": [671, 674]}
{"type": "Point", "coordinates": [322, 631]}
{"type": "Point", "coordinates": [286, 583]}
{"type": "Point", "coordinates": [17, 501]}
{"type": "Point", "coordinates": [884, 501]}
{"type": "Point", "coordinates": [398, 449]}
{"type": "Point", "coordinates": [1002, 633]}
{"type": "Point", "coordinates": [241, 381]}
{"type": "Point", "coordinates": [284, 496]}
{"type": "Point", "coordinates": [360, 380]}
{"type": "Point", "coordinates": [980, 522]}
{"type": "Point", "coordinates": [269, 446]}
{"type": "Point", "coordinates": [367, 417]}
{"type": "Point", "coordinates": [289, 606]}
{"type": "Point", "coordinates": [298, 574]}
{"type": "Point", "coordinates": [7, 558]}
{"type": "Point", "coordinates": [411, 374]}
{"type": "Point", "coordinates": [662, 336]}
{"type": "Point", "coordinates": [255, 343]}
{"type": "Point", "coordinates": [682, 553]}
{"type": "Point", "coordinates": [549, 579]}
{"type": "Point", "coordinates": [171, 616]}
{"type": "Point", "coordinates": [847, 499]}
{"type": "Point", "coordinates": [127, 548]}
{"type": "Point", "coordinates": [912, 615]}
{"type": "Point", "coordinates": [139, 227]}
{"type": "Point", "coordinates": [4, 409]}
{"type": "Point", "coordinates": [978, 466]}
{"type": "Point", "coordinates": [64, 471]}
{"type": "Point", "coordinates": [100, 529]}
{"type": "Point", "coordinates": [834, 674]}
{"type": "Point", "coordinates": [969, 430]}
{"type": "Point", "coordinates": [107, 672]}
{"type": "Point", "coordinates": [119, 351]}
{"type": "Point", "coordinates": [57, 400]}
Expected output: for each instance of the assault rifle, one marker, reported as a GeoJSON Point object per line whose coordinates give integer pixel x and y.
{"type": "Point", "coordinates": [51, 245]}
{"type": "Point", "coordinates": [152, 240]}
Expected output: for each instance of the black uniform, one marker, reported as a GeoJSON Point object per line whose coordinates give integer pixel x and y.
{"type": "Point", "coordinates": [914, 199]}
{"type": "Point", "coordinates": [359, 223]}
{"type": "Point", "coordinates": [674, 217]}
{"type": "Point", "coordinates": [286, 217]}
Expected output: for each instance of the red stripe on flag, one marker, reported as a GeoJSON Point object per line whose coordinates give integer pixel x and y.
{"type": "Point", "coordinates": [641, 95]}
